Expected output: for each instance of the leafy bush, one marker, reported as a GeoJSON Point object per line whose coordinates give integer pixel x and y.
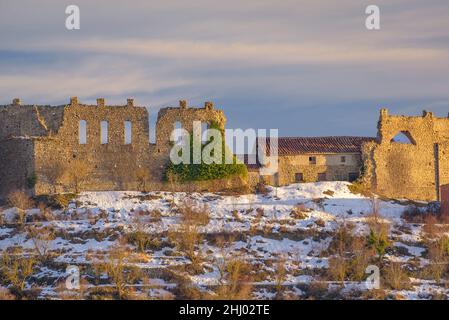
{"type": "Point", "coordinates": [358, 187]}
{"type": "Point", "coordinates": [201, 172]}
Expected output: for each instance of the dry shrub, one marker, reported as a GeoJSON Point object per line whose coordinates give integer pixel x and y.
{"type": "Point", "coordinates": [280, 277]}
{"type": "Point", "coordinates": [120, 275]}
{"type": "Point", "coordinates": [438, 252]}
{"type": "Point", "coordinates": [299, 212]}
{"type": "Point", "coordinates": [156, 215]}
{"type": "Point", "coordinates": [413, 214]}
{"type": "Point", "coordinates": [317, 289]}
{"type": "Point", "coordinates": [20, 200]}
{"type": "Point", "coordinates": [235, 283]}
{"type": "Point", "coordinates": [75, 294]}
{"type": "Point", "coordinates": [42, 239]}
{"type": "Point", "coordinates": [16, 270]}
{"type": "Point", "coordinates": [194, 213]}
{"type": "Point", "coordinates": [260, 213]}
{"type": "Point", "coordinates": [187, 239]}
{"type": "Point", "coordinates": [5, 294]}
{"type": "Point", "coordinates": [337, 268]}
{"type": "Point", "coordinates": [430, 227]}
{"type": "Point", "coordinates": [360, 260]}
{"type": "Point", "coordinates": [186, 289]}
{"type": "Point", "coordinates": [342, 240]}
{"type": "Point", "coordinates": [396, 277]}
{"type": "Point", "coordinates": [45, 212]}
{"type": "Point", "coordinates": [262, 189]}
{"type": "Point", "coordinates": [374, 294]}
{"type": "Point", "coordinates": [141, 239]}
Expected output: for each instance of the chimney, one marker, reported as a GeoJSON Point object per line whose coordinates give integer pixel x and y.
{"type": "Point", "coordinates": [208, 105]}
{"type": "Point", "coordinates": [16, 101]}
{"type": "Point", "coordinates": [100, 102]}
{"type": "Point", "coordinates": [130, 102]}
{"type": "Point", "coordinates": [73, 101]}
{"type": "Point", "coordinates": [183, 104]}
{"type": "Point", "coordinates": [383, 112]}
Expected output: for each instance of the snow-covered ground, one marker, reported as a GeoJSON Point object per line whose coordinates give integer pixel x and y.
{"type": "Point", "coordinates": [264, 231]}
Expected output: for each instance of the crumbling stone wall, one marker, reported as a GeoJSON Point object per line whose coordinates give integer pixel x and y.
{"type": "Point", "coordinates": [185, 116]}
{"type": "Point", "coordinates": [111, 166]}
{"type": "Point", "coordinates": [413, 170]}
{"type": "Point", "coordinates": [16, 164]}
{"type": "Point", "coordinates": [44, 141]}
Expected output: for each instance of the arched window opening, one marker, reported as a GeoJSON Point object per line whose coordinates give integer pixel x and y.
{"type": "Point", "coordinates": [403, 137]}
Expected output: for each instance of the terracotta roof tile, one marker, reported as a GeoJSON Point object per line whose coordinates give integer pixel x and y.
{"type": "Point", "coordinates": [305, 145]}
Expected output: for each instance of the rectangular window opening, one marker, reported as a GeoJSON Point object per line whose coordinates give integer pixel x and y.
{"type": "Point", "coordinates": [83, 132]}
{"type": "Point", "coordinates": [104, 132]}
{"type": "Point", "coordinates": [128, 132]}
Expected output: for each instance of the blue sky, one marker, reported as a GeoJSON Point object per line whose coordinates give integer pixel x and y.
{"type": "Point", "coordinates": [309, 68]}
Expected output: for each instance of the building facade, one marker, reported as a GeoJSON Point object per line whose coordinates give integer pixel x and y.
{"type": "Point", "coordinates": [46, 149]}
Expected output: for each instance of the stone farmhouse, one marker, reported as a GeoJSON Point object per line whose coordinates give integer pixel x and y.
{"type": "Point", "coordinates": [310, 159]}
{"type": "Point", "coordinates": [75, 147]}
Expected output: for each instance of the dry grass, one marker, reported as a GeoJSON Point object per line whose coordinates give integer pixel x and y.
{"type": "Point", "coordinates": [194, 213]}
{"type": "Point", "coordinates": [16, 270]}
{"type": "Point", "coordinates": [396, 277]}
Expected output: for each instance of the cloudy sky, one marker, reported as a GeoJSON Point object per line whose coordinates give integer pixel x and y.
{"type": "Point", "coordinates": [309, 68]}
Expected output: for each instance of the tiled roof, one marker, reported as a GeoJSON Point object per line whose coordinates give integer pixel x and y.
{"type": "Point", "coordinates": [305, 145]}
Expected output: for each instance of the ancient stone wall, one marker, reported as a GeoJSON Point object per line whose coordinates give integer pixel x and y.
{"type": "Point", "coordinates": [16, 164]}
{"type": "Point", "coordinates": [413, 169]}
{"type": "Point", "coordinates": [111, 165]}
{"type": "Point", "coordinates": [184, 116]}
{"type": "Point", "coordinates": [45, 142]}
